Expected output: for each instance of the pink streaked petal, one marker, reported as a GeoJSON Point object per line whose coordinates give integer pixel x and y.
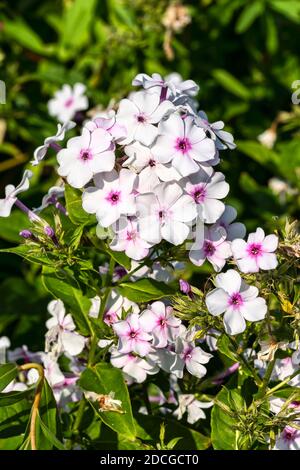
{"type": "Point", "coordinates": [256, 237]}
{"type": "Point", "coordinates": [121, 328]}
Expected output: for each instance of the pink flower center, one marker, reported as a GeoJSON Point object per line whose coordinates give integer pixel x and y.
{"type": "Point", "coordinates": [85, 155]}
{"type": "Point", "coordinates": [289, 434]}
{"type": "Point", "coordinates": [114, 197]}
{"type": "Point", "coordinates": [141, 118]}
{"type": "Point", "coordinates": [162, 322]}
{"type": "Point", "coordinates": [209, 248]}
{"type": "Point", "coordinates": [183, 145]}
{"type": "Point", "coordinates": [199, 194]}
{"type": "Point", "coordinates": [254, 250]}
{"type": "Point", "coordinates": [152, 162]}
{"type": "Point", "coordinates": [133, 334]}
{"type": "Point", "coordinates": [235, 300]}
{"type": "Point", "coordinates": [69, 102]}
{"type": "Point", "coordinates": [187, 355]}
{"type": "Point", "coordinates": [131, 235]}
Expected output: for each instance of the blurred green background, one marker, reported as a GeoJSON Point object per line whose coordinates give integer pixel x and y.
{"type": "Point", "coordinates": [244, 54]}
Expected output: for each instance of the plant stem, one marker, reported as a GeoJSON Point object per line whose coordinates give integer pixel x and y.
{"type": "Point", "coordinates": [242, 359]}
{"type": "Point", "coordinates": [281, 384]}
{"type": "Point", "coordinates": [79, 415]}
{"type": "Point", "coordinates": [266, 379]}
{"type": "Point", "coordinates": [36, 401]}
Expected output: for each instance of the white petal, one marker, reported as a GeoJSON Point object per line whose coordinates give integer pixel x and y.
{"type": "Point", "coordinates": [217, 301]}
{"type": "Point", "coordinates": [230, 281]}
{"type": "Point", "coordinates": [234, 322]}
{"type": "Point", "coordinates": [254, 310]}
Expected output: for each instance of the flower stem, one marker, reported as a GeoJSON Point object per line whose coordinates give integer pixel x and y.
{"type": "Point", "coordinates": [36, 401]}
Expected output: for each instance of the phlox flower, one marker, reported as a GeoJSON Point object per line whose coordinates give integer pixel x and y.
{"type": "Point", "coordinates": [222, 138]}
{"type": "Point", "coordinates": [11, 193]}
{"type": "Point", "coordinates": [109, 124]}
{"type": "Point", "coordinates": [86, 155]}
{"type": "Point", "coordinates": [135, 368]}
{"type": "Point", "coordinates": [115, 305]}
{"type": "Point", "coordinates": [165, 214]}
{"type": "Point", "coordinates": [53, 194]}
{"type": "Point", "coordinates": [61, 336]}
{"type": "Point", "coordinates": [158, 272]}
{"type": "Point", "coordinates": [187, 403]}
{"type": "Point", "coordinates": [183, 143]}
{"type": "Point", "coordinates": [210, 244]}
{"type": "Point", "coordinates": [41, 151]}
{"type": "Point", "coordinates": [256, 253]}
{"type": "Point", "coordinates": [289, 439]}
{"type": "Point", "coordinates": [111, 197]}
{"type": "Point", "coordinates": [237, 300]}
{"type": "Point", "coordinates": [151, 171]}
{"type": "Point", "coordinates": [161, 322]}
{"type": "Point", "coordinates": [233, 229]}
{"type": "Point", "coordinates": [130, 241]}
{"type": "Point", "coordinates": [67, 101]}
{"type": "Point", "coordinates": [132, 336]}
{"type": "Point", "coordinates": [172, 82]}
{"type": "Point", "coordinates": [139, 114]}
{"type": "Point", "coordinates": [284, 368]}
{"type": "Point", "coordinates": [206, 188]}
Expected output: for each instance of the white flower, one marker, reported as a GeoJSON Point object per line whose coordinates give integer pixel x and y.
{"type": "Point", "coordinates": [151, 172]}
{"type": "Point", "coordinates": [183, 143]}
{"type": "Point", "coordinates": [139, 114]}
{"type": "Point", "coordinates": [161, 323]}
{"type": "Point", "coordinates": [115, 305]}
{"type": "Point", "coordinates": [91, 153]}
{"type": "Point", "coordinates": [173, 82]}
{"type": "Point", "coordinates": [134, 368]}
{"type": "Point", "coordinates": [234, 230]}
{"type": "Point", "coordinates": [165, 214]}
{"type": "Point", "coordinates": [206, 188]}
{"type": "Point", "coordinates": [4, 345]}
{"type": "Point", "coordinates": [111, 197]}
{"type": "Point", "coordinates": [194, 408]}
{"type": "Point", "coordinates": [54, 193]}
{"type": "Point", "coordinates": [109, 124]}
{"type": "Point", "coordinates": [11, 193]}
{"type": "Point", "coordinates": [223, 139]}
{"type": "Point", "coordinates": [130, 241]}
{"type": "Point", "coordinates": [237, 300]}
{"type": "Point", "coordinates": [289, 439]}
{"type": "Point", "coordinates": [68, 101]}
{"type": "Point", "coordinates": [268, 138]}
{"type": "Point", "coordinates": [210, 244]}
{"type": "Point", "coordinates": [256, 253]}
{"type": "Point", "coordinates": [41, 151]}
{"type": "Point", "coordinates": [132, 335]}
{"type": "Point", "coordinates": [61, 336]}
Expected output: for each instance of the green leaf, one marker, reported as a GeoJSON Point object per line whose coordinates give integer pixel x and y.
{"type": "Point", "coordinates": [49, 436]}
{"type": "Point", "coordinates": [258, 152]}
{"type": "Point", "coordinates": [248, 16]}
{"type": "Point", "coordinates": [62, 287]}
{"type": "Point", "coordinates": [232, 84]}
{"type": "Point", "coordinates": [48, 423]}
{"type": "Point", "coordinates": [8, 372]}
{"type": "Point", "coordinates": [189, 438]}
{"type": "Point", "coordinates": [288, 8]}
{"type": "Point", "coordinates": [77, 19]}
{"type": "Point", "coordinates": [145, 290]}
{"type": "Point", "coordinates": [10, 398]}
{"type": "Point", "coordinates": [14, 418]}
{"type": "Point", "coordinates": [223, 433]}
{"type": "Point", "coordinates": [103, 379]}
{"type": "Point", "coordinates": [31, 253]}
{"type": "Point", "coordinates": [226, 348]}
{"type": "Point", "coordinates": [74, 207]}
{"type": "Point", "coordinates": [271, 35]}
{"type": "Point", "coordinates": [12, 225]}
{"type": "Point", "coordinates": [121, 258]}
{"type": "Point", "coordinates": [20, 32]}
